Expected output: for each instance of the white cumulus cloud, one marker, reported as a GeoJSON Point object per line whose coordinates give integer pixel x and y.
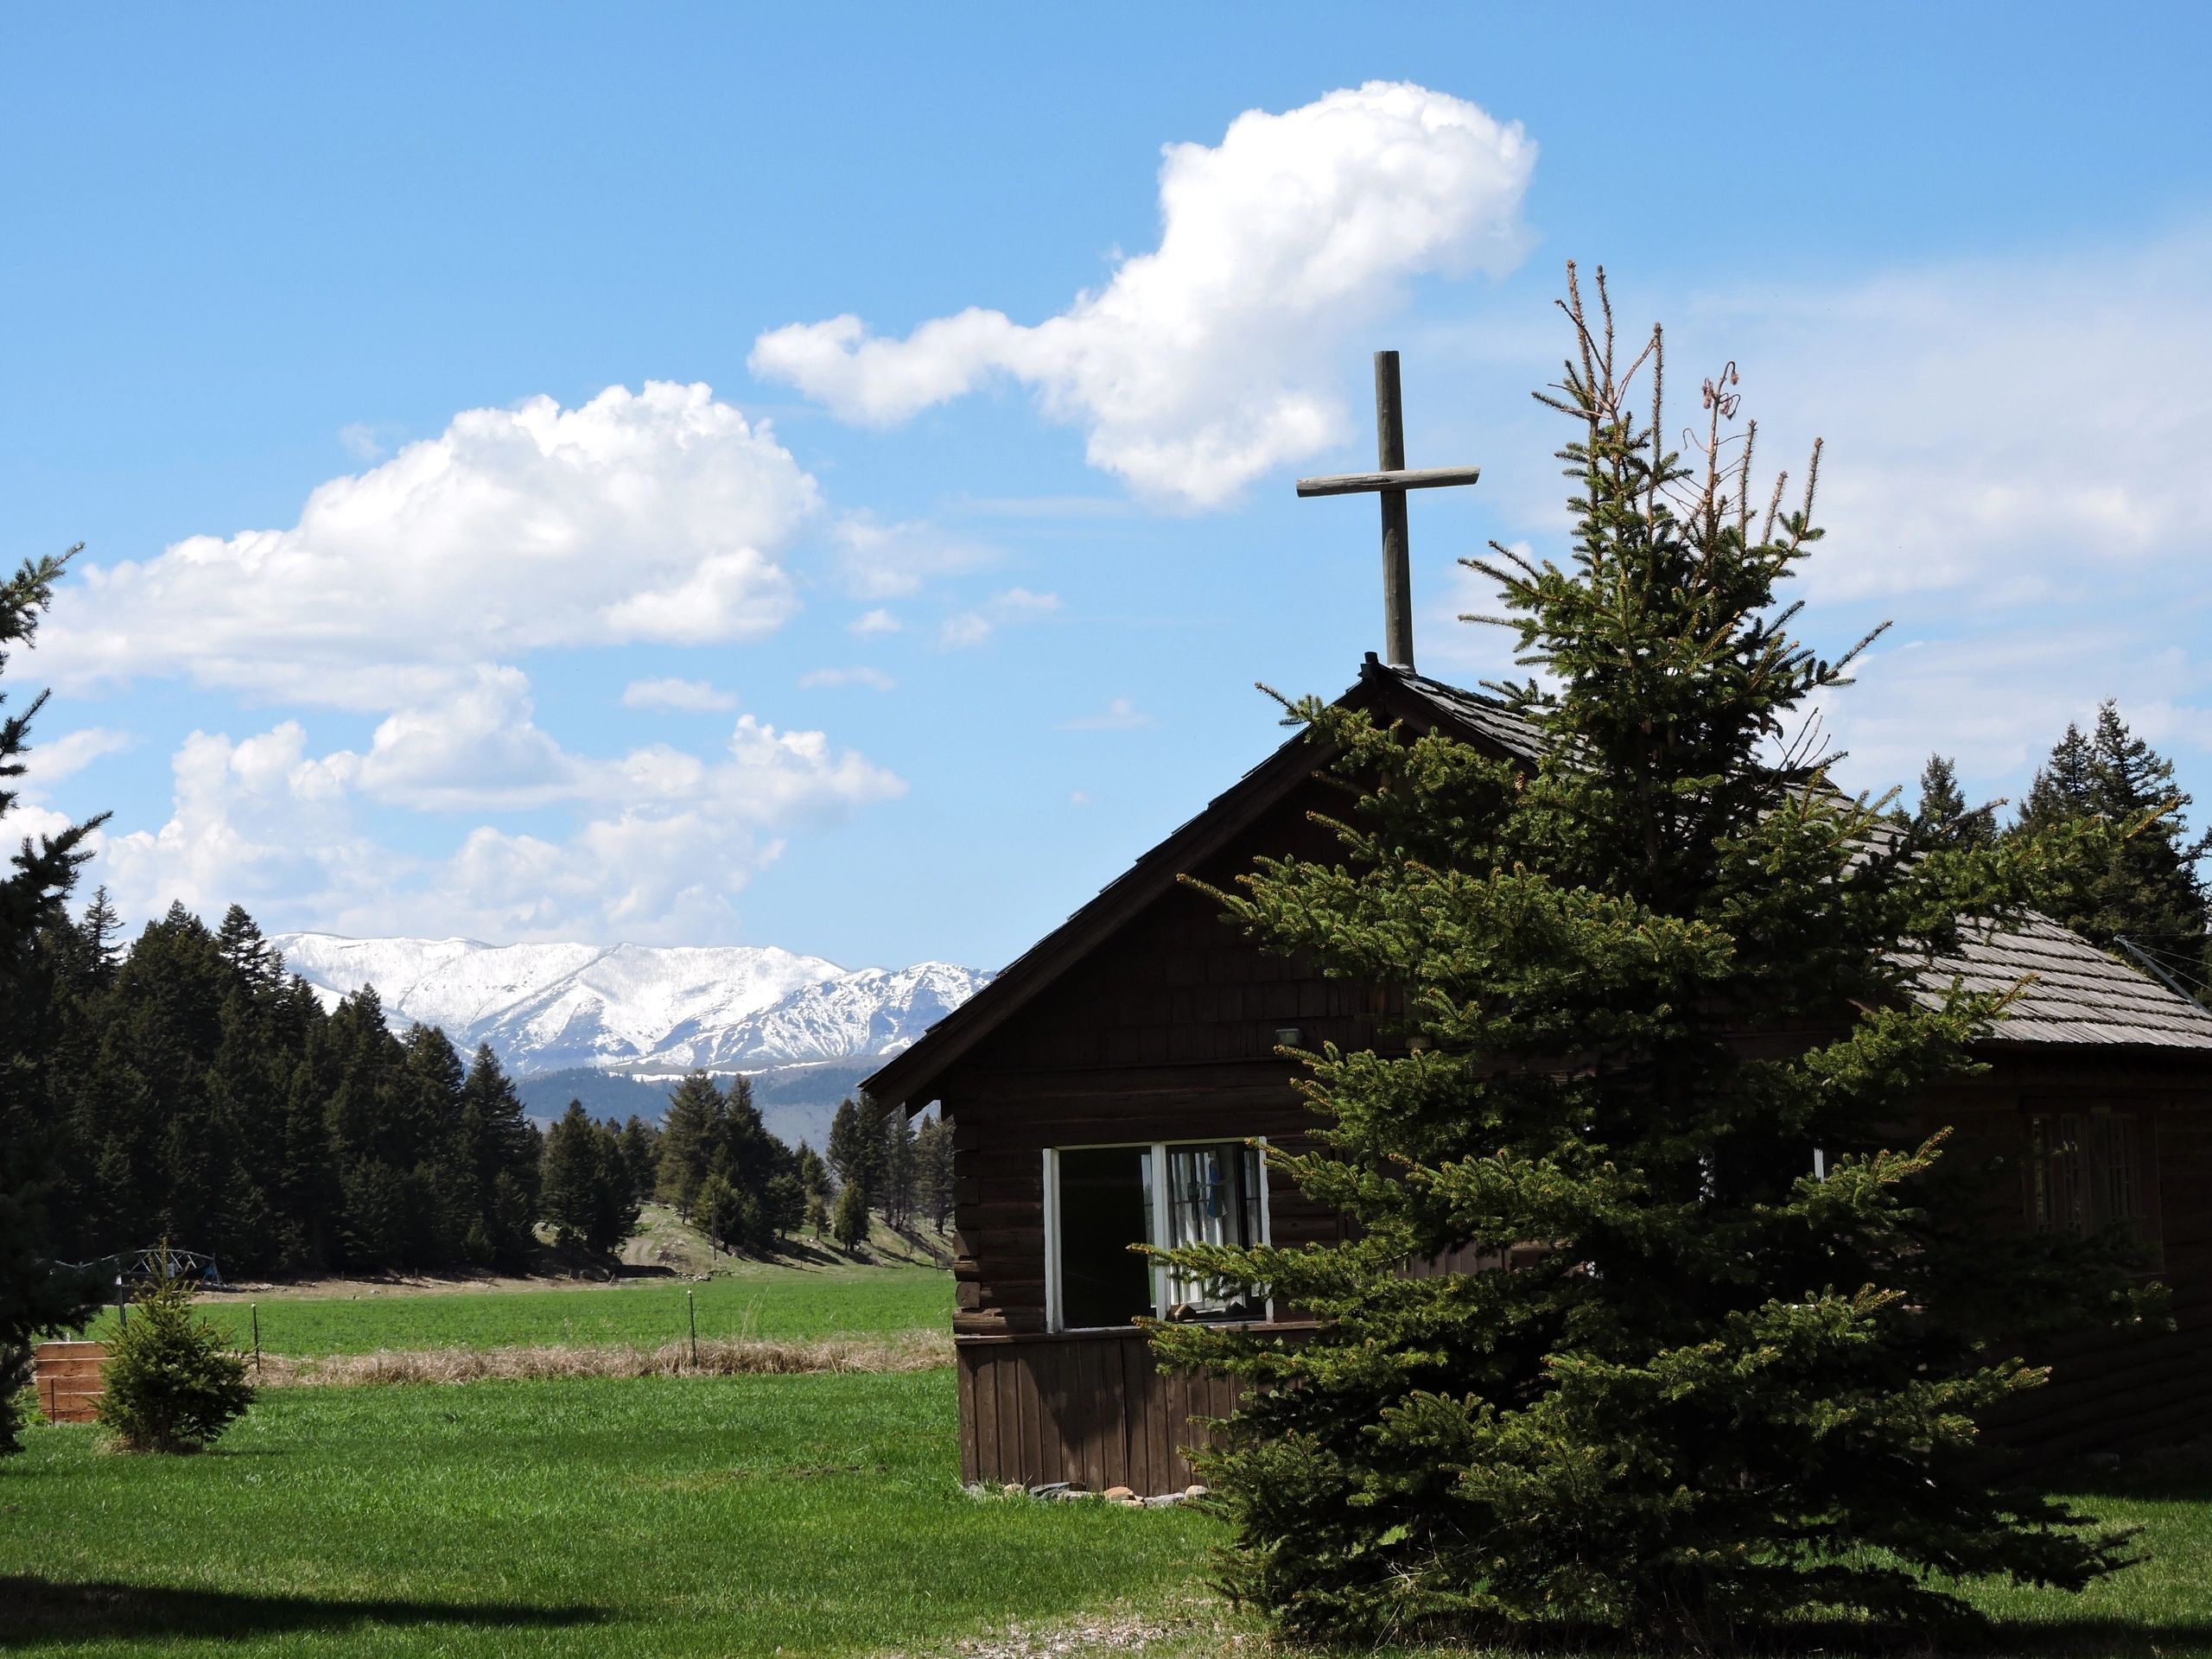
{"type": "Point", "coordinates": [648, 516]}
{"type": "Point", "coordinates": [663, 840]}
{"type": "Point", "coordinates": [1204, 363]}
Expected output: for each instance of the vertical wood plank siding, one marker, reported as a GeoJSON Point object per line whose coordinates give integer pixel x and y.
{"type": "Point", "coordinates": [1093, 1409]}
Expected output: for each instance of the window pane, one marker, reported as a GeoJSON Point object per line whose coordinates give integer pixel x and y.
{"type": "Point", "coordinates": [1213, 1198]}
{"type": "Point", "coordinates": [2084, 1171]}
{"type": "Point", "coordinates": [1103, 1212]}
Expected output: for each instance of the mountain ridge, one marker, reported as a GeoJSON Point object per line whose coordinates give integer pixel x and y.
{"type": "Point", "coordinates": [637, 1008]}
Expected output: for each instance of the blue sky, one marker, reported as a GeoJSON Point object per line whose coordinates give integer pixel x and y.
{"type": "Point", "coordinates": [492, 528]}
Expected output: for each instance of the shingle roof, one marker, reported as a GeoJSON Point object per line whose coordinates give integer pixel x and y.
{"type": "Point", "coordinates": [1484, 716]}
{"type": "Point", "coordinates": [2079, 994]}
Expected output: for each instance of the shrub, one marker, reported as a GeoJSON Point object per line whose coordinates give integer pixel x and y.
{"type": "Point", "coordinates": [172, 1383]}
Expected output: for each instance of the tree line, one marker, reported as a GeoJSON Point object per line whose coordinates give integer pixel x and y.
{"type": "Point", "coordinates": [195, 1091]}
{"type": "Point", "coordinates": [2145, 893]}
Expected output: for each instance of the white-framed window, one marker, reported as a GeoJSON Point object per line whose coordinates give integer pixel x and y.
{"type": "Point", "coordinates": [1099, 1201]}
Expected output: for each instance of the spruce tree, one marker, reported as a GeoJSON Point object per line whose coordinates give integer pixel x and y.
{"type": "Point", "coordinates": [933, 1170]}
{"type": "Point", "coordinates": [689, 1131]}
{"type": "Point", "coordinates": [717, 1211]}
{"type": "Point", "coordinates": [501, 1151]}
{"type": "Point", "coordinates": [814, 1175]}
{"type": "Point", "coordinates": [901, 1170]}
{"type": "Point", "coordinates": [101, 927]}
{"type": "Point", "coordinates": [641, 1153]}
{"type": "Point", "coordinates": [570, 1187]}
{"type": "Point", "coordinates": [1713, 1390]}
{"type": "Point", "coordinates": [856, 1150]}
{"type": "Point", "coordinates": [2146, 887]}
{"type": "Point", "coordinates": [36, 1293]}
{"type": "Point", "coordinates": [849, 1225]}
{"type": "Point", "coordinates": [1943, 814]}
{"type": "Point", "coordinates": [615, 1194]}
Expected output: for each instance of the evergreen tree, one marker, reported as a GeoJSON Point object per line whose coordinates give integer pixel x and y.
{"type": "Point", "coordinates": [901, 1169]}
{"type": "Point", "coordinates": [718, 1210]}
{"type": "Point", "coordinates": [814, 1175]}
{"type": "Point", "coordinates": [746, 1150]}
{"type": "Point", "coordinates": [500, 1151]}
{"type": "Point", "coordinates": [1713, 1391]}
{"type": "Point", "coordinates": [571, 1192]}
{"type": "Point", "coordinates": [783, 1207]}
{"type": "Point", "coordinates": [689, 1131]}
{"type": "Point", "coordinates": [856, 1149]}
{"type": "Point", "coordinates": [849, 1227]}
{"type": "Point", "coordinates": [933, 1170]}
{"type": "Point", "coordinates": [101, 928]}
{"type": "Point", "coordinates": [173, 1383]}
{"type": "Point", "coordinates": [2145, 888]}
{"type": "Point", "coordinates": [614, 1213]}
{"type": "Point", "coordinates": [2065, 788]}
{"type": "Point", "coordinates": [36, 1293]}
{"type": "Point", "coordinates": [1943, 816]}
{"type": "Point", "coordinates": [641, 1153]}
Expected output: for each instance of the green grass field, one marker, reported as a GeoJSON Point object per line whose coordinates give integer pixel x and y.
{"type": "Point", "coordinates": [806, 1515]}
{"type": "Point", "coordinates": [809, 1514]}
{"type": "Point", "coordinates": [747, 1515]}
{"type": "Point", "coordinates": [779, 1302]}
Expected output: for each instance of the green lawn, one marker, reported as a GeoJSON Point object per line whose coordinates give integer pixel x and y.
{"type": "Point", "coordinates": [779, 1302]}
{"type": "Point", "coordinates": [806, 1515]}
{"type": "Point", "coordinates": [817, 1514]}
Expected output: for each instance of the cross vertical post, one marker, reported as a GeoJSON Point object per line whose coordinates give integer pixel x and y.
{"type": "Point", "coordinates": [1391, 482]}
{"type": "Point", "coordinates": [1397, 566]}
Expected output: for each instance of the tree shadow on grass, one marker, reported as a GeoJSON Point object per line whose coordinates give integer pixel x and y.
{"type": "Point", "coordinates": [61, 1612]}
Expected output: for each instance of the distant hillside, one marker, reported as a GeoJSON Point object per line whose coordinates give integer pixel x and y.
{"type": "Point", "coordinates": [797, 1101]}
{"type": "Point", "coordinates": [658, 1010]}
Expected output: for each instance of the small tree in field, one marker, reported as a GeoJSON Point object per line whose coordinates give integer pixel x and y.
{"type": "Point", "coordinates": [719, 1210]}
{"type": "Point", "coordinates": [172, 1382]}
{"type": "Point", "coordinates": [850, 1227]}
{"type": "Point", "coordinates": [1716, 1390]}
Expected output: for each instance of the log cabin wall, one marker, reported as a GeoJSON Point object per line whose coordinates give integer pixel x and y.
{"type": "Point", "coordinates": [2110, 1391]}
{"type": "Point", "coordinates": [1164, 1032]}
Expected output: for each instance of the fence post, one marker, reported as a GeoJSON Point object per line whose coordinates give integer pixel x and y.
{"type": "Point", "coordinates": [254, 1308]}
{"type": "Point", "coordinates": [691, 1307]}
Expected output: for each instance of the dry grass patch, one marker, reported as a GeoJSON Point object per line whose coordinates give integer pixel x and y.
{"type": "Point", "coordinates": [914, 1350]}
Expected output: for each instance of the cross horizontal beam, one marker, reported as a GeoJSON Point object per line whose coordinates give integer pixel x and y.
{"type": "Point", "coordinates": [1420, 478]}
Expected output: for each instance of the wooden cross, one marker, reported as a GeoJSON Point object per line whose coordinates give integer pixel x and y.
{"type": "Point", "coordinates": [1391, 483]}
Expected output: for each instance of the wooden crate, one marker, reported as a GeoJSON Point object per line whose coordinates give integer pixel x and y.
{"type": "Point", "coordinates": [67, 1378]}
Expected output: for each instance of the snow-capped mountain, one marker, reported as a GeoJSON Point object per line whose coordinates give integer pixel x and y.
{"type": "Point", "coordinates": [641, 1009]}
